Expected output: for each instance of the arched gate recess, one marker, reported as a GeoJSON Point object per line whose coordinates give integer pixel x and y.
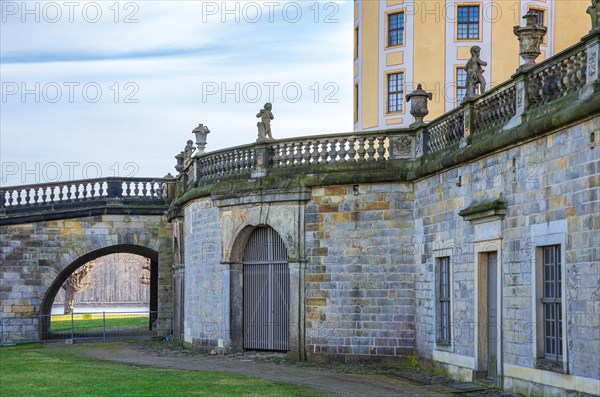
{"type": "Point", "coordinates": [266, 295]}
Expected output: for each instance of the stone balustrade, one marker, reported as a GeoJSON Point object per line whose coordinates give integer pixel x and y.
{"type": "Point", "coordinates": [314, 151]}
{"type": "Point", "coordinates": [331, 149]}
{"type": "Point", "coordinates": [566, 73]}
{"type": "Point", "coordinates": [444, 131]}
{"type": "Point", "coordinates": [79, 193]}
{"type": "Point", "coordinates": [558, 76]}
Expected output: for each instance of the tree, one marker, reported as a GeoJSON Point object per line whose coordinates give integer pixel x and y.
{"type": "Point", "coordinates": [145, 274]}
{"type": "Point", "coordinates": [75, 283]}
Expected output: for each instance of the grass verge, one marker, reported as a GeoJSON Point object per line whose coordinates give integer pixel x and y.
{"type": "Point", "coordinates": [95, 322]}
{"type": "Point", "coordinates": [44, 373]}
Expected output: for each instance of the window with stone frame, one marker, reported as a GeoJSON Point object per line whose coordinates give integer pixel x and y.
{"type": "Point", "coordinates": [395, 29]}
{"type": "Point", "coordinates": [443, 301]}
{"type": "Point", "coordinates": [468, 23]}
{"type": "Point", "coordinates": [395, 94]}
{"type": "Point", "coordinates": [552, 302]}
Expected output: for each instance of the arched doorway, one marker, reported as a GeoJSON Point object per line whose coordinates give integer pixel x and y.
{"type": "Point", "coordinates": [47, 303]}
{"type": "Point", "coordinates": [266, 292]}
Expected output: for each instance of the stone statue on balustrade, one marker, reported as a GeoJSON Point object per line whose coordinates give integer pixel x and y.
{"type": "Point", "coordinates": [475, 77]}
{"type": "Point", "coordinates": [264, 125]}
{"type": "Point", "coordinates": [594, 11]}
{"type": "Point", "coordinates": [187, 152]}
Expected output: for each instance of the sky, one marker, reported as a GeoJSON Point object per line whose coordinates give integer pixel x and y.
{"type": "Point", "coordinates": [107, 88]}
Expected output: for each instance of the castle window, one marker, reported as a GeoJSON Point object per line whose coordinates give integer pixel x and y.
{"type": "Point", "coordinates": [468, 22]}
{"type": "Point", "coordinates": [395, 92]}
{"type": "Point", "coordinates": [396, 29]}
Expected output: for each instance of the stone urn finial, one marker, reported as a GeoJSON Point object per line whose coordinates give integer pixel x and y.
{"type": "Point", "coordinates": [530, 40]}
{"type": "Point", "coordinates": [594, 11]}
{"type": "Point", "coordinates": [179, 166]}
{"type": "Point", "coordinates": [201, 132]}
{"type": "Point", "coordinates": [418, 106]}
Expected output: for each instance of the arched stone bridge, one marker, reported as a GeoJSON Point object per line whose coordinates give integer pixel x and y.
{"type": "Point", "coordinates": [47, 231]}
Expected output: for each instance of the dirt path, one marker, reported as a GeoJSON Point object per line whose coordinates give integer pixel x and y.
{"type": "Point", "coordinates": [325, 380]}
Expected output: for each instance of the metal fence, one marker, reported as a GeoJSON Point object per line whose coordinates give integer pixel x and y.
{"type": "Point", "coordinates": [85, 326]}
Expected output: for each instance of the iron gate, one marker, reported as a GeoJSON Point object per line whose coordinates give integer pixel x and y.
{"type": "Point", "coordinates": [266, 292]}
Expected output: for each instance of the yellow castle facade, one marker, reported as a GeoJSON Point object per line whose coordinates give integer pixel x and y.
{"type": "Point", "coordinates": [401, 43]}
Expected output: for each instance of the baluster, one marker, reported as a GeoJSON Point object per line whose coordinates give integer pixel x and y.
{"type": "Point", "coordinates": [27, 196]}
{"type": "Point", "coordinates": [342, 151]}
{"type": "Point", "coordinates": [152, 189]}
{"type": "Point", "coordinates": [570, 74]}
{"type": "Point", "coordinates": [225, 164]}
{"type": "Point", "coordinates": [69, 193]}
{"type": "Point", "coordinates": [243, 162]}
{"type": "Point", "coordinates": [294, 149]}
{"type": "Point", "coordinates": [283, 154]}
{"type": "Point", "coordinates": [581, 69]}
{"type": "Point", "coordinates": [361, 149]}
{"type": "Point", "coordinates": [235, 166]}
{"type": "Point", "coordinates": [305, 154]}
{"type": "Point", "coordinates": [93, 190]}
{"type": "Point", "coordinates": [314, 155]}
{"type": "Point", "coordinates": [136, 189]}
{"type": "Point", "coordinates": [144, 189]}
{"type": "Point", "coordinates": [230, 163]}
{"type": "Point", "coordinates": [276, 155]}
{"type": "Point", "coordinates": [352, 149]}
{"type": "Point", "coordinates": [324, 153]}
{"type": "Point", "coordinates": [371, 149]}
{"type": "Point", "coordinates": [381, 149]}
{"type": "Point", "coordinates": [37, 195]}
{"type": "Point", "coordinates": [333, 151]}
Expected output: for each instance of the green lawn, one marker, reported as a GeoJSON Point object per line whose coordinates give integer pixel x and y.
{"type": "Point", "coordinates": [40, 372]}
{"type": "Point", "coordinates": [94, 322]}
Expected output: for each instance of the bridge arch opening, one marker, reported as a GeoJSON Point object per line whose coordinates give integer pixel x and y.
{"type": "Point", "coordinates": [55, 287]}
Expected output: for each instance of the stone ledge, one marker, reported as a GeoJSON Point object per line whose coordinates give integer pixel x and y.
{"type": "Point", "coordinates": [484, 208]}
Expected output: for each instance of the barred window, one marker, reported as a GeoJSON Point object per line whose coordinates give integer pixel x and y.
{"type": "Point", "coordinates": [552, 303]}
{"type": "Point", "coordinates": [395, 95]}
{"type": "Point", "coordinates": [444, 299]}
{"type": "Point", "coordinates": [468, 22]}
{"type": "Point", "coordinates": [395, 29]}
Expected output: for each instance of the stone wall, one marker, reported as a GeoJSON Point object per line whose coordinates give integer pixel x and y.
{"type": "Point", "coordinates": [359, 273]}
{"type": "Point", "coordinates": [552, 189]}
{"type": "Point", "coordinates": [205, 299]}
{"type": "Point", "coordinates": [33, 256]}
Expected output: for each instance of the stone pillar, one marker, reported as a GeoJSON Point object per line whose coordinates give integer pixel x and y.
{"type": "Point", "coordinates": [263, 159]}
{"type": "Point", "coordinates": [234, 335]}
{"type": "Point", "coordinates": [593, 65]}
{"type": "Point", "coordinates": [469, 121]}
{"type": "Point", "coordinates": [297, 340]}
{"type": "Point", "coordinates": [520, 100]}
